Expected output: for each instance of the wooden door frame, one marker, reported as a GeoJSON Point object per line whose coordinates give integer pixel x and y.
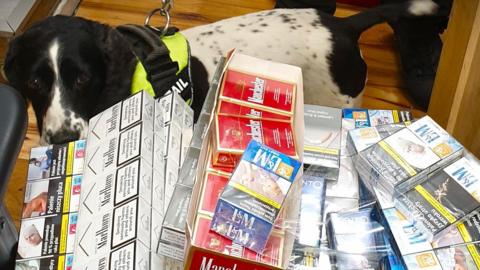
{"type": "Point", "coordinates": [455, 101]}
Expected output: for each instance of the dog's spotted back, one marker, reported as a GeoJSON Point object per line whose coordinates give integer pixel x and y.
{"type": "Point", "coordinates": [71, 69]}
{"type": "Point", "coordinates": [292, 36]}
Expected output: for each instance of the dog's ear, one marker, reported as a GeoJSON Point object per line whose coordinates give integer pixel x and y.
{"type": "Point", "coordinates": [10, 69]}
{"type": "Point", "coordinates": [119, 63]}
{"type": "Point", "coordinates": [9, 66]}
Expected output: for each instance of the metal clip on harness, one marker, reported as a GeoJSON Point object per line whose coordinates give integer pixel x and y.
{"type": "Point", "coordinates": [164, 11]}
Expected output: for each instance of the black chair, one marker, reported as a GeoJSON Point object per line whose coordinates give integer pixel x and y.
{"type": "Point", "coordinates": [13, 125]}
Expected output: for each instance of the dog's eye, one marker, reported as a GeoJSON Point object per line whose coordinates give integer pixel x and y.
{"type": "Point", "coordinates": [34, 83]}
{"type": "Point", "coordinates": [82, 79]}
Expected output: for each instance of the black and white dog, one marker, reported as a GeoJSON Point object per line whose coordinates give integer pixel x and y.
{"type": "Point", "coordinates": [71, 68]}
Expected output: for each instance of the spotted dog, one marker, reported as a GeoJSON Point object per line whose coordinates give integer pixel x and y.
{"type": "Point", "coordinates": [71, 68]}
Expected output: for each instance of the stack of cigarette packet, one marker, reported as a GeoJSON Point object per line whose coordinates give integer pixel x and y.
{"type": "Point", "coordinates": [49, 216]}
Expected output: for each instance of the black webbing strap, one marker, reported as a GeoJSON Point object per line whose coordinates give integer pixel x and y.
{"type": "Point", "coordinates": [153, 54]}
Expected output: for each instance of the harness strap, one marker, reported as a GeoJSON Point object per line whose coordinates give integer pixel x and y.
{"type": "Point", "coordinates": [155, 71]}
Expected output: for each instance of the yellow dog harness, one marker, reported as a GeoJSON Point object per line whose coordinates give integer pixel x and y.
{"type": "Point", "coordinates": [165, 67]}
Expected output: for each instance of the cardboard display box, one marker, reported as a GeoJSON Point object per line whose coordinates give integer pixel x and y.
{"type": "Point", "coordinates": [195, 255]}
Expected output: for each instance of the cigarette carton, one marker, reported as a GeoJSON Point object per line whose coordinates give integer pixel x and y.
{"type": "Point", "coordinates": [187, 132]}
{"type": "Point", "coordinates": [173, 143]}
{"type": "Point", "coordinates": [416, 252]}
{"type": "Point", "coordinates": [59, 195]}
{"type": "Point", "coordinates": [187, 175]}
{"type": "Point", "coordinates": [212, 188]}
{"type": "Point", "coordinates": [173, 264]}
{"type": "Point", "coordinates": [360, 139]}
{"type": "Point", "coordinates": [163, 262]}
{"type": "Point", "coordinates": [60, 262]}
{"type": "Point", "coordinates": [165, 104]}
{"type": "Point", "coordinates": [156, 231]}
{"type": "Point", "coordinates": [222, 170]}
{"type": "Point", "coordinates": [188, 117]}
{"type": "Point", "coordinates": [372, 118]}
{"type": "Point", "coordinates": [171, 177]}
{"type": "Point", "coordinates": [358, 118]}
{"type": "Point", "coordinates": [173, 108]}
{"type": "Point", "coordinates": [171, 251]}
{"type": "Point", "coordinates": [251, 201]}
{"type": "Point", "coordinates": [347, 184]}
{"type": "Point", "coordinates": [200, 129]}
{"type": "Point", "coordinates": [322, 138]}
{"type": "Point", "coordinates": [132, 256]}
{"type": "Point", "coordinates": [49, 235]}
{"type": "Point", "coordinates": [158, 190]}
{"type": "Point", "coordinates": [466, 256]}
{"type": "Point", "coordinates": [400, 161]}
{"type": "Point", "coordinates": [437, 139]}
{"type": "Point", "coordinates": [311, 211]}
{"type": "Point", "coordinates": [159, 117]}
{"type": "Point", "coordinates": [447, 196]}
{"type": "Point", "coordinates": [56, 160]}
{"type": "Point", "coordinates": [159, 167]}
{"type": "Point", "coordinates": [157, 261]}
{"type": "Point", "coordinates": [204, 238]}
{"type": "Point", "coordinates": [138, 108]}
{"type": "Point", "coordinates": [110, 190]}
{"type": "Point", "coordinates": [337, 204]}
{"type": "Point", "coordinates": [465, 232]}
{"type": "Point", "coordinates": [211, 99]}
{"type": "Point", "coordinates": [101, 234]}
{"type": "Point", "coordinates": [257, 91]}
{"type": "Point", "coordinates": [233, 109]}
{"type": "Point", "coordinates": [383, 201]}
{"type": "Point", "coordinates": [173, 230]}
{"type": "Point", "coordinates": [115, 151]}
{"type": "Point", "coordinates": [346, 126]}
{"type": "Point", "coordinates": [234, 133]}
{"type": "Point", "coordinates": [159, 148]}
{"type": "Point", "coordinates": [407, 240]}
{"type": "Point", "coordinates": [356, 238]}
{"type": "Point", "coordinates": [408, 236]}
{"type": "Point", "coordinates": [426, 260]}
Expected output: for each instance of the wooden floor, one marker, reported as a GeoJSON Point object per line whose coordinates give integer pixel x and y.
{"type": "Point", "coordinates": [383, 90]}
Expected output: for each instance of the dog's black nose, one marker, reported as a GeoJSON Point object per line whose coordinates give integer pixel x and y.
{"type": "Point", "coordinates": [63, 136]}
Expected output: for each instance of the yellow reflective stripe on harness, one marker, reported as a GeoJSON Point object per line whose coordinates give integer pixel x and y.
{"type": "Point", "coordinates": [178, 50]}
{"type": "Point", "coordinates": [178, 47]}
{"type": "Point", "coordinates": [140, 81]}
